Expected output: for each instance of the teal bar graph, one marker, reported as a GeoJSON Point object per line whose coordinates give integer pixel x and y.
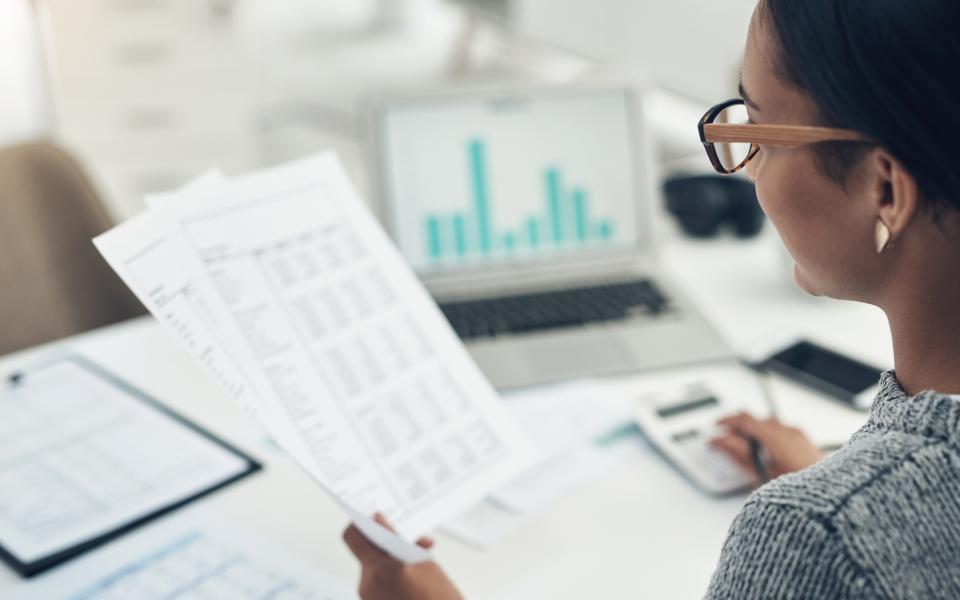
{"type": "Point", "coordinates": [434, 243]}
{"type": "Point", "coordinates": [580, 214]}
{"type": "Point", "coordinates": [509, 241]}
{"type": "Point", "coordinates": [564, 221]}
{"type": "Point", "coordinates": [533, 232]}
{"type": "Point", "coordinates": [554, 202]}
{"type": "Point", "coordinates": [460, 234]}
{"type": "Point", "coordinates": [605, 230]}
{"type": "Point", "coordinates": [481, 193]}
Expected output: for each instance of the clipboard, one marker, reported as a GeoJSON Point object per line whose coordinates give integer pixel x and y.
{"type": "Point", "coordinates": [227, 463]}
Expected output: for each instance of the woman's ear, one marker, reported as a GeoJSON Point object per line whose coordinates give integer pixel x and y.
{"type": "Point", "coordinates": [895, 192]}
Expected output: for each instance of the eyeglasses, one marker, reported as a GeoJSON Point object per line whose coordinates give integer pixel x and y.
{"type": "Point", "coordinates": [731, 141]}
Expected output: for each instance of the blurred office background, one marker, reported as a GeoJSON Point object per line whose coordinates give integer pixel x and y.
{"type": "Point", "coordinates": [146, 94]}
{"type": "Point", "coordinates": [149, 92]}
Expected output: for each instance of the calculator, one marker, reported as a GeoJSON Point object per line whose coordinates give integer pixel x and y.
{"type": "Point", "coordinates": [681, 423]}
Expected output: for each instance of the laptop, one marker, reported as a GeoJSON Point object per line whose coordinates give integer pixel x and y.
{"type": "Point", "coordinates": [527, 215]}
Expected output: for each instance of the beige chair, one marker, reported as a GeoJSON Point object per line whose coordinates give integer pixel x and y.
{"type": "Point", "coordinates": [53, 282]}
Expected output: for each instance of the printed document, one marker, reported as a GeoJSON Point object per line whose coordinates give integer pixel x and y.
{"type": "Point", "coordinates": [284, 285]}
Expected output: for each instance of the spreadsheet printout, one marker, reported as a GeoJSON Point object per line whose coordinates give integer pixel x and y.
{"type": "Point", "coordinates": [168, 279]}
{"type": "Point", "coordinates": [357, 374]}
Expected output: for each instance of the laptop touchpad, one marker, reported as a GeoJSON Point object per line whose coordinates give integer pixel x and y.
{"type": "Point", "coordinates": [572, 354]}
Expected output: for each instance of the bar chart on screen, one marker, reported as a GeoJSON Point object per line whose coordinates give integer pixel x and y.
{"type": "Point", "coordinates": [564, 219]}
{"type": "Point", "coordinates": [477, 181]}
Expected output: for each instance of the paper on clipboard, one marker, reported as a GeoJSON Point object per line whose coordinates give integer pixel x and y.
{"type": "Point", "coordinates": [83, 456]}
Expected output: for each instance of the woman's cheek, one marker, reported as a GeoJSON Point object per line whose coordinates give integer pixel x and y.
{"type": "Point", "coordinates": [773, 189]}
{"type": "Point", "coordinates": [765, 191]}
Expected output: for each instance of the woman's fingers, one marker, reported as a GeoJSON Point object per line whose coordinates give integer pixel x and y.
{"type": "Point", "coordinates": [737, 448]}
{"type": "Point", "coordinates": [379, 518]}
{"type": "Point", "coordinates": [734, 446]}
{"type": "Point", "coordinates": [424, 542]}
{"type": "Point", "coordinates": [764, 431]}
{"type": "Point", "coordinates": [365, 550]}
{"type": "Point", "coordinates": [787, 448]}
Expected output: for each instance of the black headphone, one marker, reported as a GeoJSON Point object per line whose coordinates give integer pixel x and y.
{"type": "Point", "coordinates": [705, 203]}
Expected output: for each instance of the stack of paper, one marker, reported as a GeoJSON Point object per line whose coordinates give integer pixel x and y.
{"type": "Point", "coordinates": [290, 294]}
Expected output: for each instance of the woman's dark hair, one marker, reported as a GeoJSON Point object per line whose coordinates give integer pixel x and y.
{"type": "Point", "coordinates": [887, 68]}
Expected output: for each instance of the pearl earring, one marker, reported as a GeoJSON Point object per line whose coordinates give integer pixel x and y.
{"type": "Point", "coordinates": [883, 236]}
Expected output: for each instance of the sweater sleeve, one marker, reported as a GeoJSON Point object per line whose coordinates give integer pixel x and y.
{"type": "Point", "coordinates": [777, 551]}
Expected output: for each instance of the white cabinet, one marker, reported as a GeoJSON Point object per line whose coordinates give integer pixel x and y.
{"type": "Point", "coordinates": [148, 92]}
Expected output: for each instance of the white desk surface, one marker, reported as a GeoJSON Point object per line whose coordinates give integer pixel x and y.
{"type": "Point", "coordinates": [638, 531]}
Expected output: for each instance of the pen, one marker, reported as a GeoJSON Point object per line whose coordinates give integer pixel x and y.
{"type": "Point", "coordinates": [763, 379]}
{"type": "Point", "coordinates": [758, 464]}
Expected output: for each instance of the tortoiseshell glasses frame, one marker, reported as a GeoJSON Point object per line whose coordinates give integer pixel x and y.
{"type": "Point", "coordinates": [785, 136]}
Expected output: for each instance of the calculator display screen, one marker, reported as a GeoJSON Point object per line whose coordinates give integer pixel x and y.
{"type": "Point", "coordinates": [684, 407]}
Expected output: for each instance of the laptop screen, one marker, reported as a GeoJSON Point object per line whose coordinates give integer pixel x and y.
{"type": "Point", "coordinates": [486, 181]}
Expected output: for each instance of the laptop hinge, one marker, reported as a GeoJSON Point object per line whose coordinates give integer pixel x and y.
{"type": "Point", "coordinates": [508, 280]}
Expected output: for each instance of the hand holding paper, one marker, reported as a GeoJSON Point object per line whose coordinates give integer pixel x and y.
{"type": "Point", "coordinates": [384, 577]}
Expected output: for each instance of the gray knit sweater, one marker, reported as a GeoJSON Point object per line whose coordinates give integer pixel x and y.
{"type": "Point", "coordinates": [878, 519]}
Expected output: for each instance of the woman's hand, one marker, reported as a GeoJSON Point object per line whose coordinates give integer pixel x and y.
{"type": "Point", "coordinates": [384, 577]}
{"type": "Point", "coordinates": [787, 448]}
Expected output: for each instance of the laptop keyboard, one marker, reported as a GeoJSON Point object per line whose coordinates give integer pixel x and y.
{"type": "Point", "coordinates": [553, 309]}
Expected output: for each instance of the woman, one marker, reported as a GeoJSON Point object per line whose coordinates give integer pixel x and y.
{"type": "Point", "coordinates": [854, 144]}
